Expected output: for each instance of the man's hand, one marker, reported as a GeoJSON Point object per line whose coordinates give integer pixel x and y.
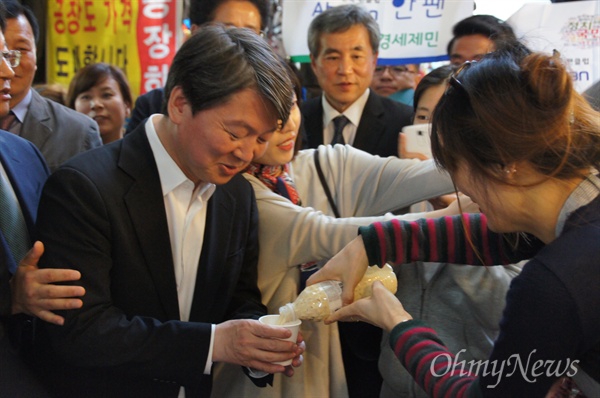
{"type": "Point", "coordinates": [255, 345]}
{"type": "Point", "coordinates": [33, 290]}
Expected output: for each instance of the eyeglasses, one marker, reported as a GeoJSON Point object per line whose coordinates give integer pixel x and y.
{"type": "Point", "coordinates": [13, 57]}
{"type": "Point", "coordinates": [394, 70]}
{"type": "Point", "coordinates": [454, 82]}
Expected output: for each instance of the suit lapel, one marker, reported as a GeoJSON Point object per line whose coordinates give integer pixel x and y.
{"type": "Point", "coordinates": [35, 127]}
{"type": "Point", "coordinates": [146, 207]}
{"type": "Point", "coordinates": [313, 122]}
{"type": "Point", "coordinates": [219, 226]}
{"type": "Point", "coordinates": [371, 127]}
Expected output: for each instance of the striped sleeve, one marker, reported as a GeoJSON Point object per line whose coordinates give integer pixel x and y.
{"type": "Point", "coordinates": [463, 239]}
{"type": "Point", "coordinates": [433, 367]}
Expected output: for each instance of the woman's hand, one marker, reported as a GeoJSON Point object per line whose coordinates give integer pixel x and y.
{"type": "Point", "coordinates": [382, 309]}
{"type": "Point", "coordinates": [403, 154]}
{"type": "Point", "coordinates": [348, 266]}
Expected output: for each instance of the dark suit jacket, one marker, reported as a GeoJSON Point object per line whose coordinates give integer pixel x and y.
{"type": "Point", "coordinates": [103, 213]}
{"type": "Point", "coordinates": [27, 172]}
{"type": "Point", "coordinates": [377, 133]}
{"type": "Point", "coordinates": [145, 106]}
{"type": "Point", "coordinates": [57, 131]}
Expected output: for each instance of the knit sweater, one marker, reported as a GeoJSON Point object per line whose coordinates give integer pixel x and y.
{"type": "Point", "coordinates": [550, 326]}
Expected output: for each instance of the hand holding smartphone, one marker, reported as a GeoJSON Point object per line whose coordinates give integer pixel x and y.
{"type": "Point", "coordinates": [417, 139]}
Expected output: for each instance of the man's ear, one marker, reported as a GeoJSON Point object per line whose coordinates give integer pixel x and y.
{"type": "Point", "coordinates": [313, 63]}
{"type": "Point", "coordinates": [176, 105]}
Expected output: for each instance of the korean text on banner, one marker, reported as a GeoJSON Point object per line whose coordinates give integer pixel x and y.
{"type": "Point", "coordinates": [138, 36]}
{"type": "Point", "coordinates": [412, 31]}
{"type": "Point", "coordinates": [571, 28]}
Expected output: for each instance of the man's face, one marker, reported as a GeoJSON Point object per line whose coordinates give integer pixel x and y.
{"type": "Point", "coordinates": [344, 66]}
{"type": "Point", "coordinates": [392, 78]}
{"type": "Point", "coordinates": [470, 48]}
{"type": "Point", "coordinates": [6, 74]}
{"type": "Point", "coordinates": [217, 143]}
{"type": "Point", "coordinates": [19, 36]}
{"type": "Point", "coordinates": [238, 13]}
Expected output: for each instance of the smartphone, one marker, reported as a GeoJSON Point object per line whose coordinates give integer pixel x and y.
{"type": "Point", "coordinates": [418, 139]}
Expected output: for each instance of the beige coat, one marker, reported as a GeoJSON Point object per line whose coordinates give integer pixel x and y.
{"type": "Point", "coordinates": [362, 185]}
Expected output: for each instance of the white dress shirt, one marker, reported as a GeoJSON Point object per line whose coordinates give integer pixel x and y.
{"type": "Point", "coordinates": [353, 113]}
{"type": "Point", "coordinates": [185, 205]}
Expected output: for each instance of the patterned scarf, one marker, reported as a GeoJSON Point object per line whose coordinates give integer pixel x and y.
{"type": "Point", "coordinates": [277, 179]}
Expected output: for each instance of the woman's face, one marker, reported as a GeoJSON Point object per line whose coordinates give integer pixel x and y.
{"type": "Point", "coordinates": [281, 145]}
{"type": "Point", "coordinates": [427, 103]}
{"type": "Point", "coordinates": [104, 103]}
{"type": "Point", "coordinates": [501, 203]}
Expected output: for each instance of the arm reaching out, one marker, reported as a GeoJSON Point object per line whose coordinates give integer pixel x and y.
{"type": "Point", "coordinates": [348, 266]}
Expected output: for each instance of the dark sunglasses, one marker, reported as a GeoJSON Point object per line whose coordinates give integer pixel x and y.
{"type": "Point", "coordinates": [455, 82]}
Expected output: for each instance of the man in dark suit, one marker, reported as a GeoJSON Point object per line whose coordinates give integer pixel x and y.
{"type": "Point", "coordinates": [343, 43]}
{"type": "Point", "coordinates": [57, 131]}
{"type": "Point", "coordinates": [24, 289]}
{"type": "Point", "coordinates": [164, 233]}
{"type": "Point", "coordinates": [23, 172]}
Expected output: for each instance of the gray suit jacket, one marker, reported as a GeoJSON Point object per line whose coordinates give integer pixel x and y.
{"type": "Point", "coordinates": [57, 131]}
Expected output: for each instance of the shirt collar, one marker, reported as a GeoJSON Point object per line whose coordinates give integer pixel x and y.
{"type": "Point", "coordinates": [20, 110]}
{"type": "Point", "coordinates": [353, 113]}
{"type": "Point", "coordinates": [171, 176]}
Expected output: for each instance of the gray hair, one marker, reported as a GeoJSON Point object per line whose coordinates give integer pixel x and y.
{"type": "Point", "coordinates": [217, 62]}
{"type": "Point", "coordinates": [340, 19]}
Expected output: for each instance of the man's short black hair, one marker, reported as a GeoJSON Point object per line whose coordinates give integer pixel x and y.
{"type": "Point", "coordinates": [203, 11]}
{"type": "Point", "coordinates": [14, 9]}
{"type": "Point", "coordinates": [489, 26]}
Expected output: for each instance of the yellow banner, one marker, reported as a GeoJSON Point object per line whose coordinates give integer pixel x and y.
{"type": "Point", "coordinates": [138, 36]}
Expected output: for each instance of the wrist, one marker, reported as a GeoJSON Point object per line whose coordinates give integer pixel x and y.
{"type": "Point", "coordinates": [395, 321]}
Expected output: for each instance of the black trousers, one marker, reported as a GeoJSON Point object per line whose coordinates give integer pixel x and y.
{"type": "Point", "coordinates": [16, 377]}
{"type": "Point", "coordinates": [361, 345]}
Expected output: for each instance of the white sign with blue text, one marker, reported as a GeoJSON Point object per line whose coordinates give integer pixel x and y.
{"type": "Point", "coordinates": [412, 31]}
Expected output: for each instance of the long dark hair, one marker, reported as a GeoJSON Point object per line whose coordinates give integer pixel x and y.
{"type": "Point", "coordinates": [514, 106]}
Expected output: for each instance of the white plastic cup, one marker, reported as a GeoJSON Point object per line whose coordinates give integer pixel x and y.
{"type": "Point", "coordinates": [294, 326]}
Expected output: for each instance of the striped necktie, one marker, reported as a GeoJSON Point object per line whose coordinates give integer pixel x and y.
{"type": "Point", "coordinates": [12, 222]}
{"type": "Point", "coordinates": [339, 122]}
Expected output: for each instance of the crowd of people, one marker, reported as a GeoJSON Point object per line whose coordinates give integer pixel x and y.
{"type": "Point", "coordinates": [140, 243]}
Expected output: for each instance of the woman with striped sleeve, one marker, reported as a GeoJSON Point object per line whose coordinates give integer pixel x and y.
{"type": "Point", "coordinates": [518, 139]}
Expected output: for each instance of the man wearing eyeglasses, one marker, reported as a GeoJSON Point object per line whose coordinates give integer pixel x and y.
{"type": "Point", "coordinates": [57, 131]}
{"type": "Point", "coordinates": [22, 175]}
{"type": "Point", "coordinates": [396, 82]}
